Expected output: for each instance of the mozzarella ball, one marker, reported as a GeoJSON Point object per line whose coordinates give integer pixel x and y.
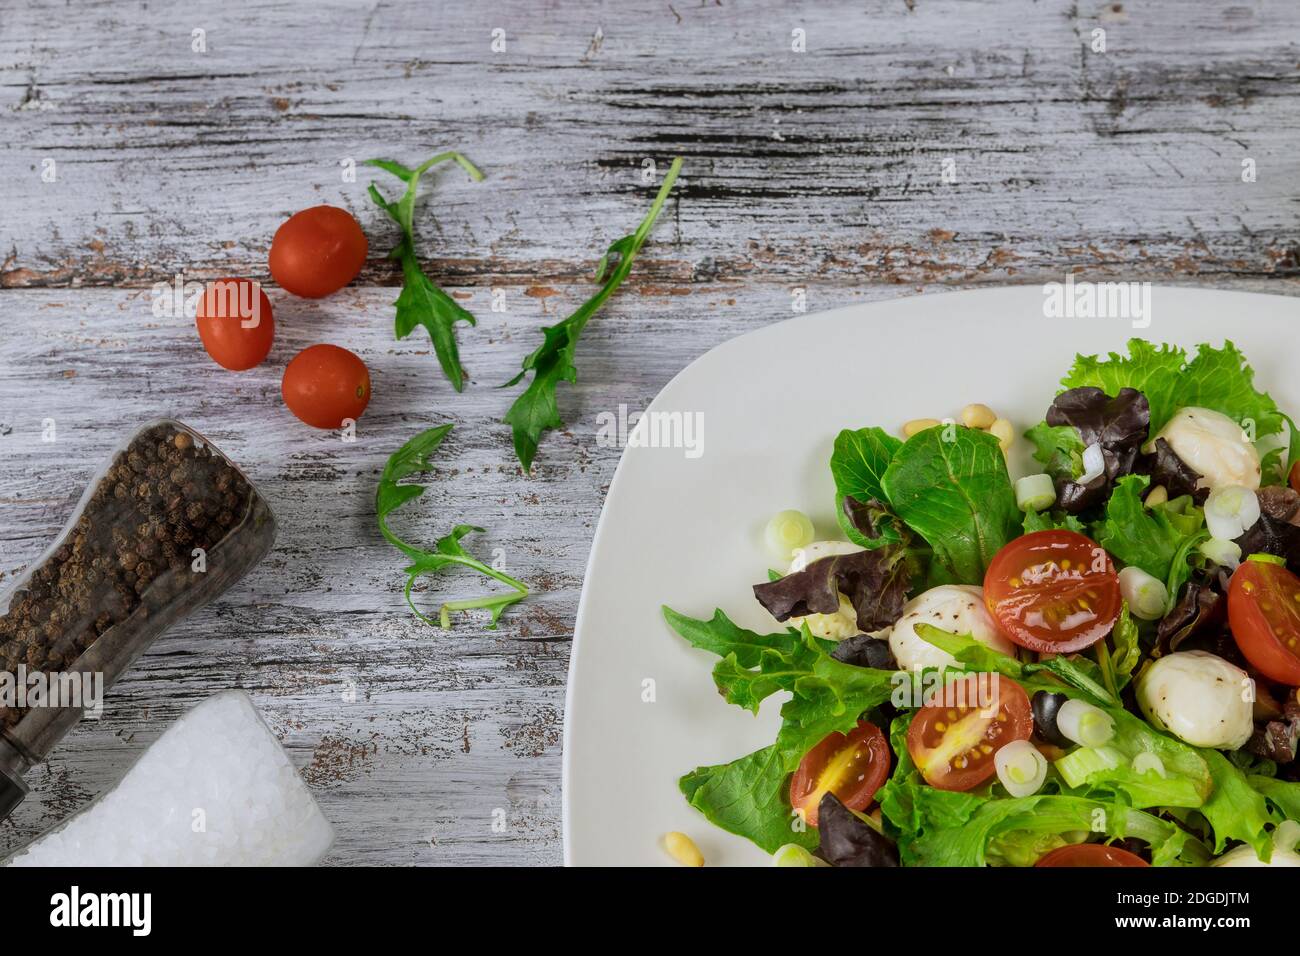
{"type": "Point", "coordinates": [1213, 446]}
{"type": "Point", "coordinates": [1245, 855]}
{"type": "Point", "coordinates": [1199, 698]}
{"type": "Point", "coordinates": [958, 608]}
{"type": "Point", "coordinates": [844, 622]}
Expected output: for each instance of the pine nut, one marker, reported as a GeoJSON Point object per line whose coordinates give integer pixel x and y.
{"type": "Point", "coordinates": [683, 849]}
{"type": "Point", "coordinates": [1157, 496]}
{"type": "Point", "coordinates": [919, 425]}
{"type": "Point", "coordinates": [977, 416]}
{"type": "Point", "coordinates": [1004, 432]}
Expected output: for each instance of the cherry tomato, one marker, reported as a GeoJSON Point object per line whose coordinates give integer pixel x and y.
{"type": "Point", "coordinates": [1053, 591]}
{"type": "Point", "coordinates": [852, 767]}
{"type": "Point", "coordinates": [325, 384]}
{"type": "Point", "coordinates": [235, 323]}
{"type": "Point", "coordinates": [953, 739]}
{"type": "Point", "coordinates": [1264, 615]}
{"type": "Point", "coordinates": [1091, 854]}
{"type": "Point", "coordinates": [317, 251]}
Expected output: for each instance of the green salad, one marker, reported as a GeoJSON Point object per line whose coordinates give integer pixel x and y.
{"type": "Point", "coordinates": [1092, 665]}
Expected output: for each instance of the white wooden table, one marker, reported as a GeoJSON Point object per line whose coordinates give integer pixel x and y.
{"type": "Point", "coordinates": [912, 145]}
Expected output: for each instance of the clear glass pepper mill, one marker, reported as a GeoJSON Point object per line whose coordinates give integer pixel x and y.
{"type": "Point", "coordinates": [167, 524]}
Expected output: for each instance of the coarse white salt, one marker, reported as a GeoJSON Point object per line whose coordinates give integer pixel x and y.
{"type": "Point", "coordinates": [216, 789]}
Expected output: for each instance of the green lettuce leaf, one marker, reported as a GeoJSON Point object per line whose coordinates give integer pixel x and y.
{"type": "Point", "coordinates": [1160, 540]}
{"type": "Point", "coordinates": [949, 485]}
{"type": "Point", "coordinates": [1284, 796]}
{"type": "Point", "coordinates": [748, 796]}
{"type": "Point", "coordinates": [1029, 818]}
{"type": "Point", "coordinates": [1236, 810]}
{"type": "Point", "coordinates": [1219, 379]}
{"type": "Point", "coordinates": [858, 464]}
{"type": "Point", "coordinates": [1059, 449]}
{"type": "Point", "coordinates": [1108, 771]}
{"type": "Point", "coordinates": [1051, 521]}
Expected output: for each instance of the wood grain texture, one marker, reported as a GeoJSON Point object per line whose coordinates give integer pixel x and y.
{"type": "Point", "coordinates": [820, 170]}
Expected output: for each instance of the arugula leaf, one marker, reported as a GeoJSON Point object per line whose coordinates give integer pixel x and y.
{"type": "Point", "coordinates": [413, 458]}
{"type": "Point", "coordinates": [421, 302]}
{"type": "Point", "coordinates": [536, 411]}
{"type": "Point", "coordinates": [1219, 379]}
{"type": "Point", "coordinates": [858, 465]}
{"type": "Point", "coordinates": [950, 485]}
{"type": "Point", "coordinates": [748, 796]}
{"type": "Point", "coordinates": [1159, 540]}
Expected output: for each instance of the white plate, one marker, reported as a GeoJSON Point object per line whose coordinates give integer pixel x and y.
{"type": "Point", "coordinates": [687, 531]}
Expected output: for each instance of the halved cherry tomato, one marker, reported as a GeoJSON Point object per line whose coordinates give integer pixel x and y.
{"type": "Point", "coordinates": [235, 323]}
{"type": "Point", "coordinates": [852, 767]}
{"type": "Point", "coordinates": [1053, 591]}
{"type": "Point", "coordinates": [952, 740]}
{"type": "Point", "coordinates": [1264, 615]}
{"type": "Point", "coordinates": [324, 384]}
{"type": "Point", "coordinates": [1091, 854]}
{"type": "Point", "coordinates": [317, 251]}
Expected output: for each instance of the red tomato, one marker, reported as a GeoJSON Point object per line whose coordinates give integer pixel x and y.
{"type": "Point", "coordinates": [853, 768]}
{"type": "Point", "coordinates": [235, 323]}
{"type": "Point", "coordinates": [1053, 591]}
{"type": "Point", "coordinates": [1264, 615]}
{"type": "Point", "coordinates": [318, 251]}
{"type": "Point", "coordinates": [952, 740]}
{"type": "Point", "coordinates": [1091, 854]}
{"type": "Point", "coordinates": [325, 384]}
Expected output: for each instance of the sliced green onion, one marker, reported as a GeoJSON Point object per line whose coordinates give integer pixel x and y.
{"type": "Point", "coordinates": [1225, 553]}
{"type": "Point", "coordinates": [1146, 595]}
{"type": "Point", "coordinates": [792, 854]}
{"type": "Point", "coordinates": [1021, 768]}
{"type": "Point", "coordinates": [1035, 492]}
{"type": "Point", "coordinates": [787, 532]}
{"type": "Point", "coordinates": [1085, 724]}
{"type": "Point", "coordinates": [1267, 558]}
{"type": "Point", "coordinates": [1077, 766]}
{"type": "Point", "coordinates": [1230, 510]}
{"type": "Point", "coordinates": [1094, 463]}
{"type": "Point", "coordinates": [1148, 761]}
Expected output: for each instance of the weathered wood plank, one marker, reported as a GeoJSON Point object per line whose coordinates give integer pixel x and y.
{"type": "Point", "coordinates": [824, 164]}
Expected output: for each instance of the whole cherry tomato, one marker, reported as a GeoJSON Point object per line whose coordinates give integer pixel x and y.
{"type": "Point", "coordinates": [324, 384]}
{"type": "Point", "coordinates": [317, 251]}
{"type": "Point", "coordinates": [235, 323]}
